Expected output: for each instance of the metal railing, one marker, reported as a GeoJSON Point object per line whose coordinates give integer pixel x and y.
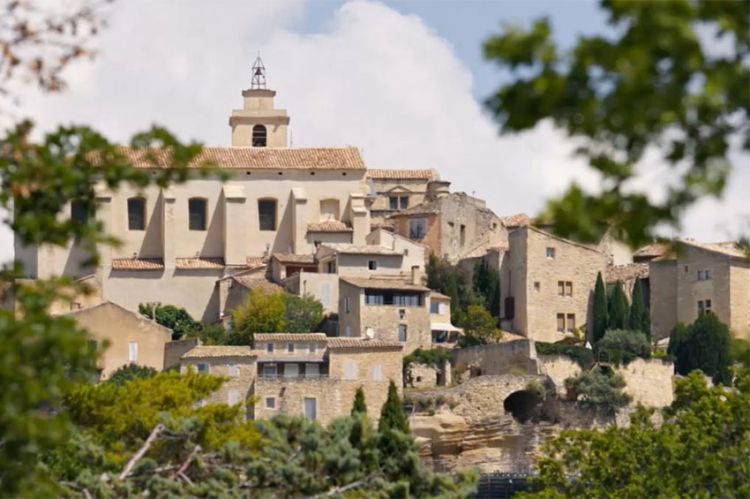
{"type": "Point", "coordinates": [297, 376]}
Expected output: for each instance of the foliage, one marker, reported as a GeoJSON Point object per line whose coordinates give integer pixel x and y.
{"type": "Point", "coordinates": [703, 345]}
{"type": "Point", "coordinates": [700, 450]}
{"type": "Point", "coordinates": [175, 318]}
{"type": "Point", "coordinates": [676, 337]}
{"type": "Point", "coordinates": [583, 356]}
{"type": "Point", "coordinates": [486, 284]}
{"type": "Point", "coordinates": [480, 328]}
{"type": "Point", "coordinates": [212, 334]}
{"type": "Point", "coordinates": [739, 352]}
{"type": "Point", "coordinates": [638, 318]}
{"type": "Point", "coordinates": [600, 317]}
{"type": "Point", "coordinates": [617, 312]}
{"type": "Point", "coordinates": [261, 313]}
{"type": "Point", "coordinates": [302, 314]}
{"type": "Point", "coordinates": [658, 83]}
{"type": "Point", "coordinates": [359, 406]}
{"type": "Point", "coordinates": [598, 390]}
{"type": "Point", "coordinates": [454, 282]}
{"type": "Point", "coordinates": [392, 415]}
{"type": "Point", "coordinates": [130, 372]}
{"type": "Point", "coordinates": [433, 357]}
{"type": "Point", "coordinates": [622, 346]}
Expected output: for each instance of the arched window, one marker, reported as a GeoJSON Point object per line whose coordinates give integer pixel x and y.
{"type": "Point", "coordinates": [197, 213]}
{"type": "Point", "coordinates": [136, 214]}
{"type": "Point", "coordinates": [259, 136]}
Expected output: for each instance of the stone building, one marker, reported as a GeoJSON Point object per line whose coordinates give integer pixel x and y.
{"type": "Point", "coordinates": [442, 332]}
{"type": "Point", "coordinates": [392, 191]}
{"type": "Point", "coordinates": [698, 277]}
{"type": "Point", "coordinates": [179, 241]}
{"type": "Point", "coordinates": [546, 284]}
{"type": "Point", "coordinates": [302, 374]}
{"type": "Point", "coordinates": [394, 310]}
{"type": "Point", "coordinates": [123, 337]}
{"type": "Point", "coordinates": [450, 225]}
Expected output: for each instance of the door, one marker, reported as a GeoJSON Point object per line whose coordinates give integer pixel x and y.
{"type": "Point", "coordinates": [311, 408]}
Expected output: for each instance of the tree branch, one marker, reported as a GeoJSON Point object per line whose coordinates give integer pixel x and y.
{"type": "Point", "coordinates": [144, 448]}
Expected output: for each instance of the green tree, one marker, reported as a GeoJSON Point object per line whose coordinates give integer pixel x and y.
{"type": "Point", "coordinates": [597, 390]}
{"type": "Point", "coordinates": [601, 315]}
{"type": "Point", "coordinates": [656, 84]}
{"type": "Point", "coordinates": [480, 327]}
{"type": "Point", "coordinates": [487, 286]}
{"type": "Point", "coordinates": [618, 308]}
{"type": "Point", "coordinates": [622, 346]}
{"type": "Point", "coordinates": [359, 406]}
{"type": "Point", "coordinates": [392, 415]}
{"type": "Point", "coordinates": [261, 313]}
{"type": "Point", "coordinates": [175, 318]}
{"type": "Point", "coordinates": [699, 450]}
{"type": "Point", "coordinates": [676, 337]}
{"type": "Point", "coordinates": [130, 372]}
{"type": "Point", "coordinates": [638, 319]}
{"type": "Point", "coordinates": [302, 314]}
{"type": "Point", "coordinates": [454, 282]}
{"type": "Point", "coordinates": [705, 346]}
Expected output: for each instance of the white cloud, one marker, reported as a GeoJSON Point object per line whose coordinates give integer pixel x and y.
{"type": "Point", "coordinates": [374, 78]}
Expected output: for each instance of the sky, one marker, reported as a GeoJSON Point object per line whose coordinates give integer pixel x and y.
{"type": "Point", "coordinates": [402, 80]}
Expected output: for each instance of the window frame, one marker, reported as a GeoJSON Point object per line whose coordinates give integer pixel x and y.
{"type": "Point", "coordinates": [131, 210]}
{"type": "Point", "coordinates": [132, 352]}
{"type": "Point", "coordinates": [272, 404]}
{"type": "Point", "coordinates": [261, 224]}
{"type": "Point", "coordinates": [550, 252]}
{"type": "Point", "coordinates": [417, 235]}
{"type": "Point", "coordinates": [260, 136]}
{"type": "Point", "coordinates": [372, 264]}
{"type": "Point", "coordinates": [204, 226]}
{"type": "Point", "coordinates": [78, 212]}
{"type": "Point", "coordinates": [403, 331]}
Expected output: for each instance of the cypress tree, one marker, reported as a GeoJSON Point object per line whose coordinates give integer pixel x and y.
{"type": "Point", "coordinates": [618, 308]}
{"type": "Point", "coordinates": [638, 320]}
{"type": "Point", "coordinates": [601, 316]}
{"type": "Point", "coordinates": [359, 406]}
{"type": "Point", "coordinates": [392, 416]}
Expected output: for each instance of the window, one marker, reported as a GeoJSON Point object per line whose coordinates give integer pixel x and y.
{"type": "Point", "coordinates": [564, 288]}
{"type": "Point", "coordinates": [393, 202]}
{"type": "Point", "coordinates": [374, 299]}
{"type": "Point", "coordinates": [311, 408]}
{"type": "Point", "coordinates": [372, 264]}
{"type": "Point", "coordinates": [347, 305]}
{"type": "Point", "coordinates": [398, 202]}
{"type": "Point", "coordinates": [704, 275]}
{"type": "Point", "coordinates": [260, 136]}
{"type": "Point", "coordinates": [417, 228]}
{"type": "Point", "coordinates": [311, 347]}
{"type": "Point", "coordinates": [133, 352]}
{"type": "Point", "coordinates": [267, 214]}
{"type": "Point", "coordinates": [402, 333]}
{"type": "Point", "coordinates": [550, 253]}
{"type": "Point", "coordinates": [462, 234]}
{"type": "Point", "coordinates": [348, 331]}
{"type": "Point", "coordinates": [202, 368]}
{"type": "Point", "coordinates": [269, 347]}
{"type": "Point", "coordinates": [233, 370]}
{"type": "Point", "coordinates": [434, 307]}
{"type": "Point", "coordinates": [233, 397]}
{"type": "Point", "coordinates": [136, 214]}
{"type": "Point", "coordinates": [270, 402]}
{"type": "Point", "coordinates": [537, 286]}
{"type": "Point", "coordinates": [560, 323]}
{"type": "Point", "coordinates": [331, 267]}
{"type": "Point", "coordinates": [329, 209]}
{"type": "Point", "coordinates": [350, 370]}
{"type": "Point", "coordinates": [510, 307]}
{"type": "Point", "coordinates": [312, 370]}
{"type": "Point", "coordinates": [403, 202]}
{"type": "Point", "coordinates": [78, 212]}
{"type": "Point", "coordinates": [269, 370]}
{"type": "Point", "coordinates": [704, 306]}
{"type": "Point", "coordinates": [197, 214]}
{"type": "Point", "coordinates": [570, 324]}
{"type": "Point", "coordinates": [290, 347]}
{"type": "Point", "coordinates": [291, 370]}
{"type": "Point", "coordinates": [377, 372]}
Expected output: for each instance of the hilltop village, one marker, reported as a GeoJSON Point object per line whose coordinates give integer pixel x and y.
{"type": "Point", "coordinates": [370, 245]}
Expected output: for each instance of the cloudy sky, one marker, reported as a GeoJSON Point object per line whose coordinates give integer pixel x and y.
{"type": "Point", "coordinates": [403, 81]}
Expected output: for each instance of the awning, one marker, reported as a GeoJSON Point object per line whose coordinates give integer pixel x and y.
{"type": "Point", "coordinates": [444, 326]}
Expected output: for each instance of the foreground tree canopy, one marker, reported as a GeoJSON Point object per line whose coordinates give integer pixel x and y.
{"type": "Point", "coordinates": [672, 77]}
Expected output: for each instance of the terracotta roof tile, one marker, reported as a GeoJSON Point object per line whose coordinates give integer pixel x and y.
{"type": "Point", "coordinates": [203, 352]}
{"type": "Point", "coordinates": [254, 281]}
{"type": "Point", "coordinates": [254, 262]}
{"type": "Point", "coordinates": [436, 294]}
{"type": "Point", "coordinates": [615, 273]}
{"type": "Point", "coordinates": [318, 158]}
{"type": "Point", "coordinates": [652, 250]}
{"type": "Point", "coordinates": [292, 258]}
{"type": "Point", "coordinates": [362, 249]}
{"type": "Point", "coordinates": [517, 220]}
{"type": "Point", "coordinates": [329, 226]}
{"type": "Point", "coordinates": [137, 264]}
{"type": "Point", "coordinates": [283, 337]}
{"type": "Point", "coordinates": [362, 343]}
{"type": "Point", "coordinates": [199, 263]}
{"type": "Point", "coordinates": [729, 248]}
{"type": "Point", "coordinates": [370, 283]}
{"type": "Point", "coordinates": [395, 174]}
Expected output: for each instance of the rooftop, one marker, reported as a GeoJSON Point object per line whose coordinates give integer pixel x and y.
{"type": "Point", "coordinates": [329, 226]}
{"type": "Point", "coordinates": [205, 352]}
{"type": "Point", "coordinates": [395, 174]}
{"type": "Point", "coordinates": [615, 273]}
{"type": "Point", "coordinates": [292, 258]}
{"type": "Point", "coordinates": [199, 263]}
{"type": "Point", "coordinates": [274, 337]}
{"type": "Point", "coordinates": [312, 158]}
{"type": "Point", "coordinates": [366, 249]}
{"type": "Point", "coordinates": [358, 343]}
{"type": "Point", "coordinates": [517, 220]}
{"type": "Point", "coordinates": [137, 264]}
{"type": "Point", "coordinates": [374, 283]}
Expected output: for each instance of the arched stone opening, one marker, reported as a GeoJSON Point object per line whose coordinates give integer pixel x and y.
{"type": "Point", "coordinates": [523, 405]}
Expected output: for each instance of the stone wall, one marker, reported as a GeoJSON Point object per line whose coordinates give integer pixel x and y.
{"type": "Point", "coordinates": [496, 359]}
{"type": "Point", "coordinates": [663, 283]}
{"type": "Point", "coordinates": [422, 376]}
{"type": "Point", "coordinates": [240, 373]}
{"type": "Point", "coordinates": [739, 275]}
{"type": "Point", "coordinates": [649, 381]}
{"type": "Point", "coordinates": [558, 368]}
{"type": "Point", "coordinates": [174, 350]}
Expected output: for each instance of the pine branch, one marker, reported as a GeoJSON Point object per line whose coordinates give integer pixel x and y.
{"type": "Point", "coordinates": [144, 448]}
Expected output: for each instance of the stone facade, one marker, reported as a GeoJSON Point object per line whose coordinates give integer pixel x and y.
{"type": "Point", "coordinates": [648, 381]}
{"type": "Point", "coordinates": [697, 277]}
{"type": "Point", "coordinates": [235, 363]}
{"type": "Point", "coordinates": [392, 191]}
{"type": "Point", "coordinates": [130, 338]}
{"type": "Point", "coordinates": [546, 284]}
{"type": "Point", "coordinates": [443, 333]}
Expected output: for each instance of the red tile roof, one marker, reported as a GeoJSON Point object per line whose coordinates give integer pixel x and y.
{"type": "Point", "coordinates": [284, 337]}
{"type": "Point", "coordinates": [313, 158]}
{"type": "Point", "coordinates": [362, 343]}
{"type": "Point", "coordinates": [517, 220]}
{"type": "Point", "coordinates": [394, 174]}
{"type": "Point", "coordinates": [292, 258]}
{"type": "Point", "coordinates": [329, 226]}
{"type": "Point", "coordinates": [137, 264]}
{"type": "Point", "coordinates": [199, 263]}
{"type": "Point", "coordinates": [622, 273]}
{"type": "Point", "coordinates": [373, 283]}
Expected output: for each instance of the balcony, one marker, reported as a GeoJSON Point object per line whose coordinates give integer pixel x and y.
{"type": "Point", "coordinates": [276, 376]}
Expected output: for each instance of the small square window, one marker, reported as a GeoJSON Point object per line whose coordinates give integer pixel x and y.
{"type": "Point", "coordinates": [568, 288]}
{"type": "Point", "coordinates": [290, 347]}
{"type": "Point", "coordinates": [550, 253]}
{"type": "Point", "coordinates": [570, 324]}
{"type": "Point", "coordinates": [202, 368]}
{"type": "Point", "coordinates": [561, 288]}
{"type": "Point", "coordinates": [402, 333]}
{"type": "Point", "coordinates": [372, 265]}
{"type": "Point", "coordinates": [233, 370]}
{"type": "Point", "coordinates": [537, 286]}
{"type": "Point", "coordinates": [377, 372]}
{"type": "Point", "coordinates": [311, 347]}
{"type": "Point", "coordinates": [269, 347]}
{"type": "Point", "coordinates": [403, 202]}
{"type": "Point", "coordinates": [560, 323]}
{"type": "Point", "coordinates": [393, 203]}
{"type": "Point", "coordinates": [270, 402]}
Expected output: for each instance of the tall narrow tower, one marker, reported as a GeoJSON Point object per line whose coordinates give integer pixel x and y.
{"type": "Point", "coordinates": [259, 124]}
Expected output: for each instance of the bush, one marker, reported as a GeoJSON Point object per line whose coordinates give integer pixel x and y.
{"type": "Point", "coordinates": [623, 346]}
{"type": "Point", "coordinates": [175, 318]}
{"type": "Point", "coordinates": [130, 372]}
{"type": "Point", "coordinates": [434, 357]}
{"type": "Point", "coordinates": [597, 390]}
{"type": "Point", "coordinates": [302, 314]}
{"type": "Point", "coordinates": [480, 328]}
{"type": "Point", "coordinates": [581, 355]}
{"type": "Point", "coordinates": [704, 345]}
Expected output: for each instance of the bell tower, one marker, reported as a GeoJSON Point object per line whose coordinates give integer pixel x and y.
{"type": "Point", "coordinates": [259, 123]}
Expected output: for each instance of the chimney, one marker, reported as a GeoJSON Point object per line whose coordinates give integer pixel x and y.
{"type": "Point", "coordinates": [437, 189]}
{"type": "Point", "coordinates": [416, 275]}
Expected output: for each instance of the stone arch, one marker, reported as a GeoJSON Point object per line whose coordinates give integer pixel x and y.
{"type": "Point", "coordinates": [523, 405]}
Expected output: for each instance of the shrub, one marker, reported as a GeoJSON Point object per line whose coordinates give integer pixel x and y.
{"type": "Point", "coordinates": [601, 317]}
{"type": "Point", "coordinates": [704, 345]}
{"type": "Point", "coordinates": [480, 328]}
{"type": "Point", "coordinates": [618, 308]}
{"type": "Point", "coordinates": [302, 314]}
{"type": "Point", "coordinates": [175, 318]}
{"type": "Point", "coordinates": [623, 346]}
{"type": "Point", "coordinates": [597, 390]}
{"type": "Point", "coordinates": [434, 357]}
{"type": "Point", "coordinates": [581, 355]}
{"type": "Point", "coordinates": [130, 372]}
